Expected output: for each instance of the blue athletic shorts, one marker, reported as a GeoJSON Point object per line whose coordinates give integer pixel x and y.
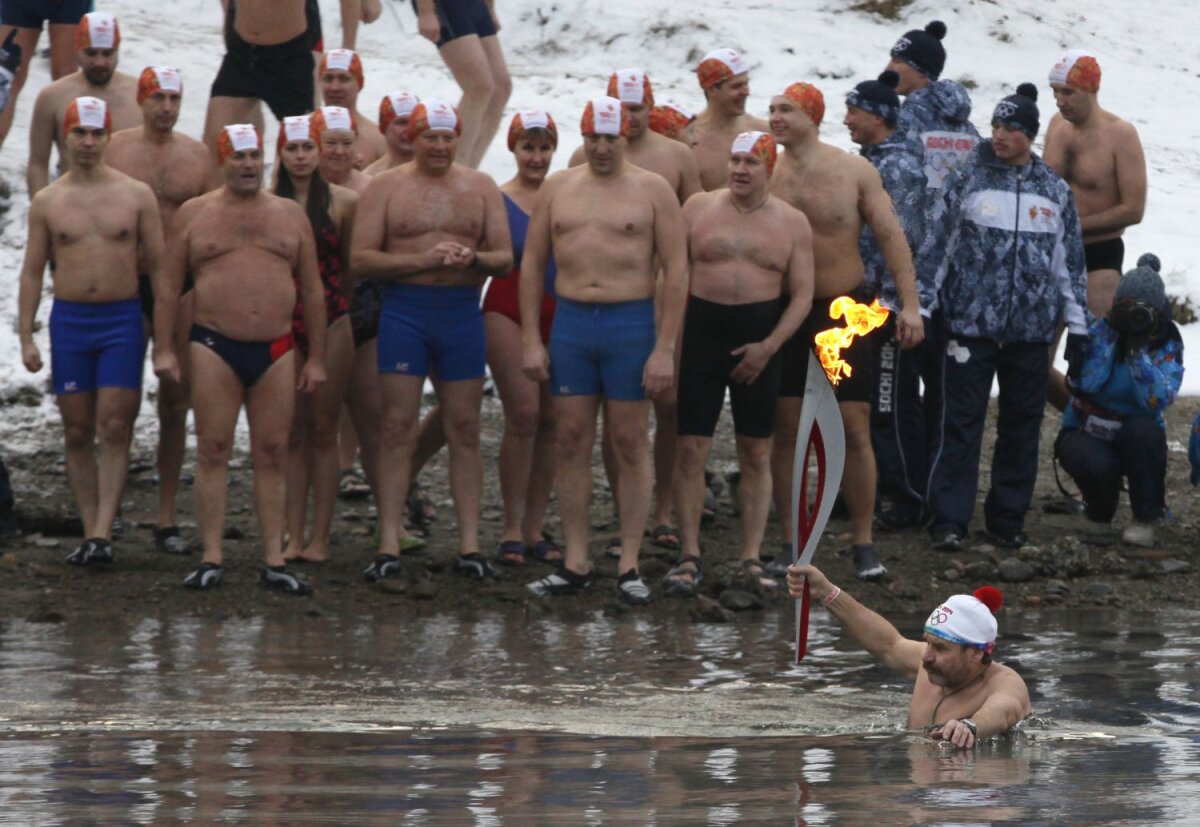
{"type": "Point", "coordinates": [96, 345]}
{"type": "Point", "coordinates": [601, 349]}
{"type": "Point", "coordinates": [33, 14]}
{"type": "Point", "coordinates": [423, 326]}
{"type": "Point", "coordinates": [459, 18]}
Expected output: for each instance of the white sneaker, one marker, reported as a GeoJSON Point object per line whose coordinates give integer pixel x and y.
{"type": "Point", "coordinates": [1139, 534]}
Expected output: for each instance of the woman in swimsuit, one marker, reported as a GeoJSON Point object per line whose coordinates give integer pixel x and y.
{"type": "Point", "coordinates": [527, 448]}
{"type": "Point", "coordinates": [314, 458]}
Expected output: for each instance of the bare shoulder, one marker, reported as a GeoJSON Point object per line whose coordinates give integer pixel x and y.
{"type": "Point", "coordinates": [196, 206]}
{"type": "Point", "coordinates": [750, 123]}
{"type": "Point", "coordinates": [1005, 678]}
{"type": "Point", "coordinates": [479, 180]}
{"type": "Point", "coordinates": [123, 139]}
{"type": "Point", "coordinates": [700, 203]}
{"type": "Point", "coordinates": [788, 214]}
{"type": "Point", "coordinates": [651, 182]}
{"type": "Point", "coordinates": [1122, 131]}
{"type": "Point", "coordinates": [343, 196]}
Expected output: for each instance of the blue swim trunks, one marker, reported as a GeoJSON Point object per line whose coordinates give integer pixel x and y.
{"type": "Point", "coordinates": [425, 326]}
{"type": "Point", "coordinates": [96, 345]}
{"type": "Point", "coordinates": [601, 349]}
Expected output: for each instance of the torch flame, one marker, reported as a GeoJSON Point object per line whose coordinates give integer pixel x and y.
{"type": "Point", "coordinates": [861, 319]}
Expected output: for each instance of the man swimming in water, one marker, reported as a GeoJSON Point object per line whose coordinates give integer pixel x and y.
{"type": "Point", "coordinates": [959, 693]}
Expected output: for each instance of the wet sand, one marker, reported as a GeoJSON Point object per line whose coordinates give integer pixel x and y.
{"type": "Point", "coordinates": [1069, 562]}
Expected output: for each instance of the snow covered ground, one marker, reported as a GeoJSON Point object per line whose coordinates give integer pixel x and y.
{"type": "Point", "coordinates": [561, 52]}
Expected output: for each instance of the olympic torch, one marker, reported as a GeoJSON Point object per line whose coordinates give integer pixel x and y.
{"type": "Point", "coordinates": [821, 439]}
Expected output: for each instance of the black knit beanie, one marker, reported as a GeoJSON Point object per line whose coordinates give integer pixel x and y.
{"type": "Point", "coordinates": [1019, 111]}
{"type": "Point", "coordinates": [878, 97]}
{"type": "Point", "coordinates": [923, 50]}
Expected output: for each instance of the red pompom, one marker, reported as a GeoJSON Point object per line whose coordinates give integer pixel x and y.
{"type": "Point", "coordinates": [990, 597]}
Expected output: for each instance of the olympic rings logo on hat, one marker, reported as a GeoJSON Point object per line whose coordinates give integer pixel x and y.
{"type": "Point", "coordinates": [902, 45]}
{"type": "Point", "coordinates": [1005, 109]}
{"type": "Point", "coordinates": [942, 615]}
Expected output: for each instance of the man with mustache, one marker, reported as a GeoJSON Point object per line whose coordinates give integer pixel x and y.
{"type": "Point", "coordinates": [960, 695]}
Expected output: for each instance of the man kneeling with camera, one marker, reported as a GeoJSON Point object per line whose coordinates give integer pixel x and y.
{"type": "Point", "coordinates": [1121, 380]}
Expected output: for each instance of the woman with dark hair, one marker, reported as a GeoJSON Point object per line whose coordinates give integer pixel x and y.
{"type": "Point", "coordinates": [313, 461]}
{"type": "Point", "coordinates": [527, 448]}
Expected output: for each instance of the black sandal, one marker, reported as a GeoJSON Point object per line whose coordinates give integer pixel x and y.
{"type": "Point", "coordinates": [687, 566]}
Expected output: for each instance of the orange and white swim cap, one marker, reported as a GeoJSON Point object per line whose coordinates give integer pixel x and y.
{"type": "Point", "coordinates": [89, 113]}
{"type": "Point", "coordinates": [158, 79]}
{"type": "Point", "coordinates": [343, 60]}
{"type": "Point", "coordinates": [433, 114]}
{"type": "Point", "coordinates": [808, 98]}
{"type": "Point", "coordinates": [1077, 70]}
{"type": "Point", "coordinates": [604, 116]}
{"type": "Point", "coordinates": [669, 119]}
{"type": "Point", "coordinates": [98, 30]}
{"type": "Point", "coordinates": [631, 86]}
{"type": "Point", "coordinates": [759, 144]}
{"type": "Point", "coordinates": [297, 128]}
{"type": "Point", "coordinates": [238, 137]}
{"type": "Point", "coordinates": [396, 105]}
{"type": "Point", "coordinates": [720, 65]}
{"type": "Point", "coordinates": [522, 122]}
{"type": "Point", "coordinates": [326, 118]}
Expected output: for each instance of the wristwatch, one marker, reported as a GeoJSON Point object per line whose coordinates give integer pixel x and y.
{"type": "Point", "coordinates": [969, 724]}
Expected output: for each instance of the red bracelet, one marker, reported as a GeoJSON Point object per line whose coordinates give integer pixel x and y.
{"type": "Point", "coordinates": [832, 596]}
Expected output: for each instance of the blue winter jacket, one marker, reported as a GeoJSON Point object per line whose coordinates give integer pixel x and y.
{"type": "Point", "coordinates": [937, 117]}
{"type": "Point", "coordinates": [898, 162]}
{"type": "Point", "coordinates": [1005, 246]}
{"type": "Point", "coordinates": [1141, 383]}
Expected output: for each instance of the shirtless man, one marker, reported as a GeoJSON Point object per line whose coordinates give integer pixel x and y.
{"type": "Point", "coordinates": [394, 111]}
{"type": "Point", "coordinates": [677, 164]}
{"type": "Point", "coordinates": [612, 227]}
{"type": "Point", "coordinates": [341, 79]}
{"type": "Point", "coordinates": [839, 193]}
{"type": "Point", "coordinates": [98, 42]}
{"type": "Point", "coordinates": [960, 695]}
{"type": "Point", "coordinates": [247, 250]}
{"type": "Point", "coordinates": [93, 221]}
{"type": "Point", "coordinates": [1100, 156]}
{"type": "Point", "coordinates": [176, 168]}
{"type": "Point", "coordinates": [744, 244]}
{"type": "Point", "coordinates": [267, 58]}
{"type": "Point", "coordinates": [433, 261]}
{"type": "Point", "coordinates": [725, 78]}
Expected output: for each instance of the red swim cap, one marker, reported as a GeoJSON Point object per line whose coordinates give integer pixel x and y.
{"type": "Point", "coordinates": [343, 60]}
{"type": "Point", "coordinates": [759, 144]}
{"type": "Point", "coordinates": [334, 117]}
{"type": "Point", "coordinates": [522, 122]}
{"type": "Point", "coordinates": [808, 98]}
{"type": "Point", "coordinates": [238, 137]}
{"type": "Point", "coordinates": [297, 128]}
{"type": "Point", "coordinates": [433, 114]}
{"type": "Point", "coordinates": [88, 112]}
{"type": "Point", "coordinates": [396, 105]}
{"type": "Point", "coordinates": [98, 30]}
{"type": "Point", "coordinates": [670, 120]}
{"type": "Point", "coordinates": [604, 116]}
{"type": "Point", "coordinates": [158, 79]}
{"type": "Point", "coordinates": [631, 86]}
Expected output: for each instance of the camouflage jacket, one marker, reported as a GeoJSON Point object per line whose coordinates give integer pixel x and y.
{"type": "Point", "coordinates": [898, 161]}
{"type": "Point", "coordinates": [1005, 246]}
{"type": "Point", "coordinates": [937, 117]}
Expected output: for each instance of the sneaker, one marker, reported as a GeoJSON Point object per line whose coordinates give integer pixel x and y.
{"type": "Point", "coordinates": [561, 581]}
{"type": "Point", "coordinates": [946, 538]}
{"type": "Point", "coordinates": [866, 561]}
{"type": "Point", "coordinates": [1009, 539]}
{"type": "Point", "coordinates": [1138, 534]}
{"type": "Point", "coordinates": [475, 566]}
{"type": "Point", "coordinates": [95, 550]}
{"type": "Point", "coordinates": [633, 589]}
{"type": "Point", "coordinates": [204, 578]}
{"type": "Point", "coordinates": [168, 541]}
{"type": "Point", "coordinates": [383, 566]}
{"type": "Point", "coordinates": [278, 577]}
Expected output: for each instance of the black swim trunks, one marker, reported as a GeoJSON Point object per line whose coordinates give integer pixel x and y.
{"type": "Point", "coordinates": [1105, 255]}
{"type": "Point", "coordinates": [248, 360]}
{"type": "Point", "coordinates": [280, 75]}
{"type": "Point", "coordinates": [711, 331]}
{"type": "Point", "coordinates": [858, 387]}
{"type": "Point", "coordinates": [365, 307]}
{"type": "Point", "coordinates": [459, 18]}
{"type": "Point", "coordinates": [33, 14]}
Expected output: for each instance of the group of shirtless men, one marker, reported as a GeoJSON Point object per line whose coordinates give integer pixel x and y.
{"type": "Point", "coordinates": [684, 268]}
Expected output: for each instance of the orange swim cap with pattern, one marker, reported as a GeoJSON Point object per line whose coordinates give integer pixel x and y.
{"type": "Point", "coordinates": [343, 60]}
{"type": "Point", "coordinates": [759, 144]}
{"type": "Point", "coordinates": [604, 116]}
{"type": "Point", "coordinates": [158, 79]}
{"type": "Point", "coordinates": [522, 122]}
{"type": "Point", "coordinates": [98, 30]}
{"type": "Point", "coordinates": [1077, 70]}
{"type": "Point", "coordinates": [333, 117]}
{"type": "Point", "coordinates": [238, 137]}
{"type": "Point", "coordinates": [433, 114]}
{"type": "Point", "coordinates": [719, 66]}
{"type": "Point", "coordinates": [670, 120]}
{"type": "Point", "coordinates": [89, 113]}
{"type": "Point", "coordinates": [297, 128]}
{"type": "Point", "coordinates": [396, 105]}
{"type": "Point", "coordinates": [808, 98]}
{"type": "Point", "coordinates": [631, 86]}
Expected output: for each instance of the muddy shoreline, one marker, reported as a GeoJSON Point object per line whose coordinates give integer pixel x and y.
{"type": "Point", "coordinates": [1069, 562]}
